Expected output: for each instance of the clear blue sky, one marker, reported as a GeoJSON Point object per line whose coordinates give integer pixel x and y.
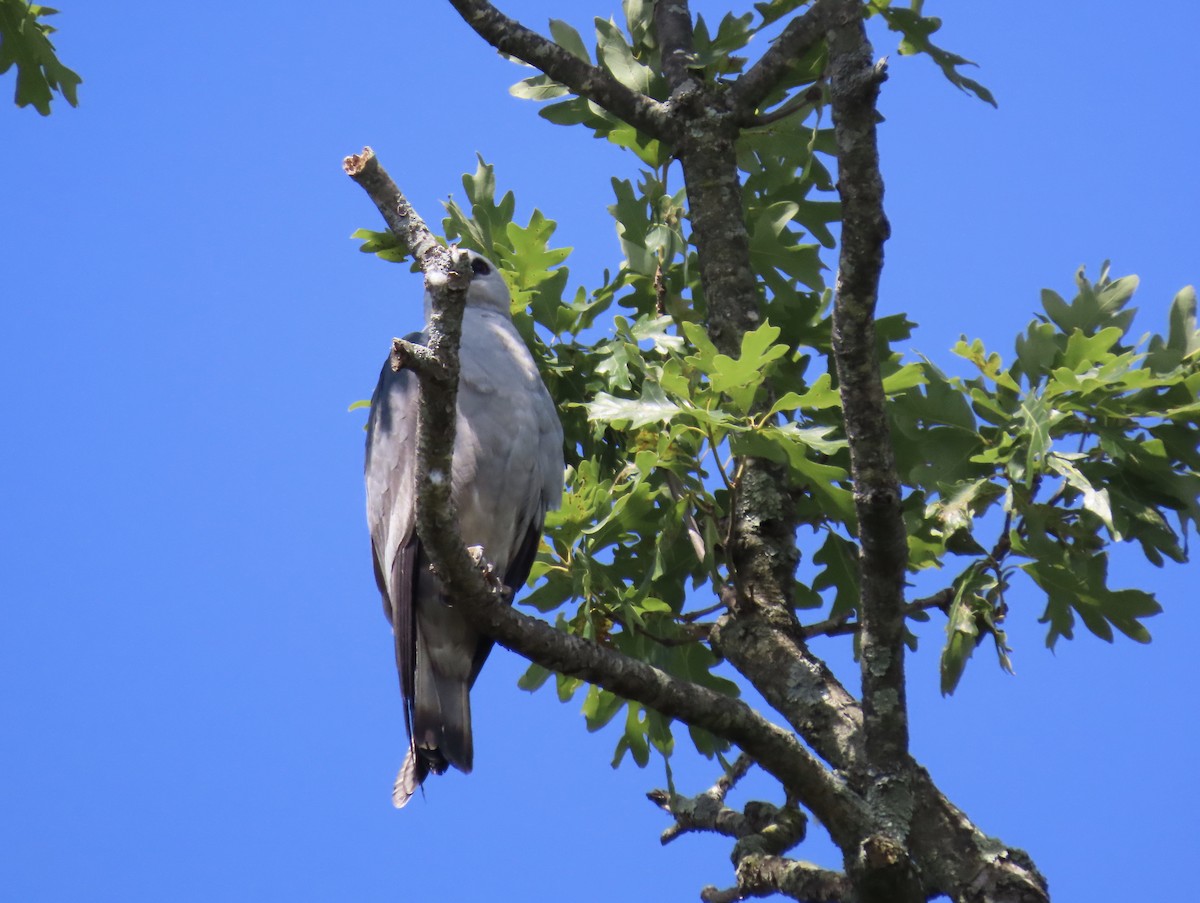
{"type": "Point", "coordinates": [198, 698]}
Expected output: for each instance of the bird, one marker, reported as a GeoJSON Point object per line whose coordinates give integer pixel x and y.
{"type": "Point", "coordinates": [507, 472]}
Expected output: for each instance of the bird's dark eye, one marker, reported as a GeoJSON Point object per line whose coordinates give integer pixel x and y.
{"type": "Point", "coordinates": [480, 267]}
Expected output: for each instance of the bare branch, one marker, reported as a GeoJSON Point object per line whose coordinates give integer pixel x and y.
{"type": "Point", "coordinates": [763, 876]}
{"type": "Point", "coordinates": [693, 616]}
{"type": "Point", "coordinates": [512, 38]}
{"type": "Point", "coordinates": [705, 812]}
{"type": "Point", "coordinates": [408, 355]}
{"type": "Point", "coordinates": [839, 625]}
{"type": "Point", "coordinates": [844, 624]}
{"type": "Point", "coordinates": [397, 212]}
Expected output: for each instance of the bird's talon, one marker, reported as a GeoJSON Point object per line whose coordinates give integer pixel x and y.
{"type": "Point", "coordinates": [485, 567]}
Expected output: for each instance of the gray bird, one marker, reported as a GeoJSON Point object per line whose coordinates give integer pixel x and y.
{"type": "Point", "coordinates": [507, 471]}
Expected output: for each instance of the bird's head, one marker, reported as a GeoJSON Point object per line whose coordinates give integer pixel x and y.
{"type": "Point", "coordinates": [488, 289]}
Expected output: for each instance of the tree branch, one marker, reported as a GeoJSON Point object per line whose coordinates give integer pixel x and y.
{"type": "Point", "coordinates": [798, 38]}
{"type": "Point", "coordinates": [955, 857]}
{"type": "Point", "coordinates": [673, 26]}
{"type": "Point", "coordinates": [885, 869]}
{"type": "Point", "coordinates": [882, 536]}
{"type": "Point", "coordinates": [397, 212]}
{"type": "Point", "coordinates": [764, 876]}
{"type": "Point", "coordinates": [512, 38]}
{"type": "Point", "coordinates": [408, 355]}
{"type": "Point", "coordinates": [844, 624]}
{"type": "Point", "coordinates": [775, 749]}
{"type": "Point", "coordinates": [705, 811]}
{"type": "Point", "coordinates": [766, 647]}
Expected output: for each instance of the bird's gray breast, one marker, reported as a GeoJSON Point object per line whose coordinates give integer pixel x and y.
{"type": "Point", "coordinates": [499, 457]}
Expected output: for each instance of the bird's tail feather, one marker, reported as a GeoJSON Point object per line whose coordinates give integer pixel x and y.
{"type": "Point", "coordinates": [442, 720]}
{"type": "Point", "coordinates": [412, 774]}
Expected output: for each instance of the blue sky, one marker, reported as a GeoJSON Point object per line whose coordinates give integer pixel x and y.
{"type": "Point", "coordinates": [199, 700]}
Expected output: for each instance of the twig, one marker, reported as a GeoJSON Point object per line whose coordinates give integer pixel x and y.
{"type": "Point", "coordinates": [843, 624]}
{"type": "Point", "coordinates": [797, 38]}
{"type": "Point", "coordinates": [704, 612]}
{"type": "Point", "coordinates": [840, 625]}
{"type": "Point", "coordinates": [512, 38]}
{"type": "Point", "coordinates": [397, 212]}
{"type": "Point", "coordinates": [408, 355]}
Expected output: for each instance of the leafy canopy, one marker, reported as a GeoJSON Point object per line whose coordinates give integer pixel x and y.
{"type": "Point", "coordinates": [1018, 480]}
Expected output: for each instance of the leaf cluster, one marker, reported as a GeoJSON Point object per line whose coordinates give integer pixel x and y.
{"type": "Point", "coordinates": [25, 42]}
{"type": "Point", "coordinates": [1017, 481]}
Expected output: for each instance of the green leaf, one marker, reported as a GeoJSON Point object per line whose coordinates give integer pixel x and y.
{"type": "Point", "coordinates": [25, 42]}
{"type": "Point", "coordinates": [774, 247]}
{"type": "Point", "coordinates": [839, 559]}
{"type": "Point", "coordinates": [383, 245]}
{"type": "Point", "coordinates": [1079, 585]}
{"type": "Point", "coordinates": [962, 636]}
{"type": "Point", "coordinates": [1094, 500]}
{"type": "Point", "coordinates": [776, 10]}
{"type": "Point", "coordinates": [1083, 352]}
{"type": "Point", "coordinates": [1037, 351]}
{"type": "Point", "coordinates": [1037, 418]}
{"type": "Point", "coordinates": [538, 87]}
{"type": "Point", "coordinates": [533, 678]}
{"type": "Point", "coordinates": [990, 365]}
{"type": "Point", "coordinates": [740, 379]}
{"type": "Point", "coordinates": [916, 30]}
{"type": "Point", "coordinates": [599, 707]}
{"type": "Point", "coordinates": [652, 406]}
{"type": "Point", "coordinates": [1095, 306]}
{"type": "Point", "coordinates": [568, 38]}
{"type": "Point", "coordinates": [820, 396]}
{"type": "Point", "coordinates": [1183, 338]}
{"type": "Point", "coordinates": [634, 739]}
{"type": "Point", "coordinates": [615, 55]}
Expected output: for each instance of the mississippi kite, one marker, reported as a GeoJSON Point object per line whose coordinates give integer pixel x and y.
{"type": "Point", "coordinates": [507, 471]}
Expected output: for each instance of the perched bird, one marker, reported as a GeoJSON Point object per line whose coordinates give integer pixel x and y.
{"type": "Point", "coordinates": [507, 471]}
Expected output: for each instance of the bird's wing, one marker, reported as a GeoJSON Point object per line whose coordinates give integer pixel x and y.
{"type": "Point", "coordinates": [550, 450]}
{"type": "Point", "coordinates": [391, 467]}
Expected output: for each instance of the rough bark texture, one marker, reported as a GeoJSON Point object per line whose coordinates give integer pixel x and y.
{"type": "Point", "coordinates": [886, 871]}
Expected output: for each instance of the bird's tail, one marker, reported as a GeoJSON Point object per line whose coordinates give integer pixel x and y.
{"type": "Point", "coordinates": [412, 774]}
{"type": "Point", "coordinates": [441, 733]}
{"type": "Point", "coordinates": [442, 720]}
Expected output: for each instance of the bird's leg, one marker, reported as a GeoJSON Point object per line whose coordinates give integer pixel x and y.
{"type": "Point", "coordinates": [485, 567]}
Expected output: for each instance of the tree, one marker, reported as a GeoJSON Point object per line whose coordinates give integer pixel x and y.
{"type": "Point", "coordinates": [25, 41]}
{"type": "Point", "coordinates": [744, 415]}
